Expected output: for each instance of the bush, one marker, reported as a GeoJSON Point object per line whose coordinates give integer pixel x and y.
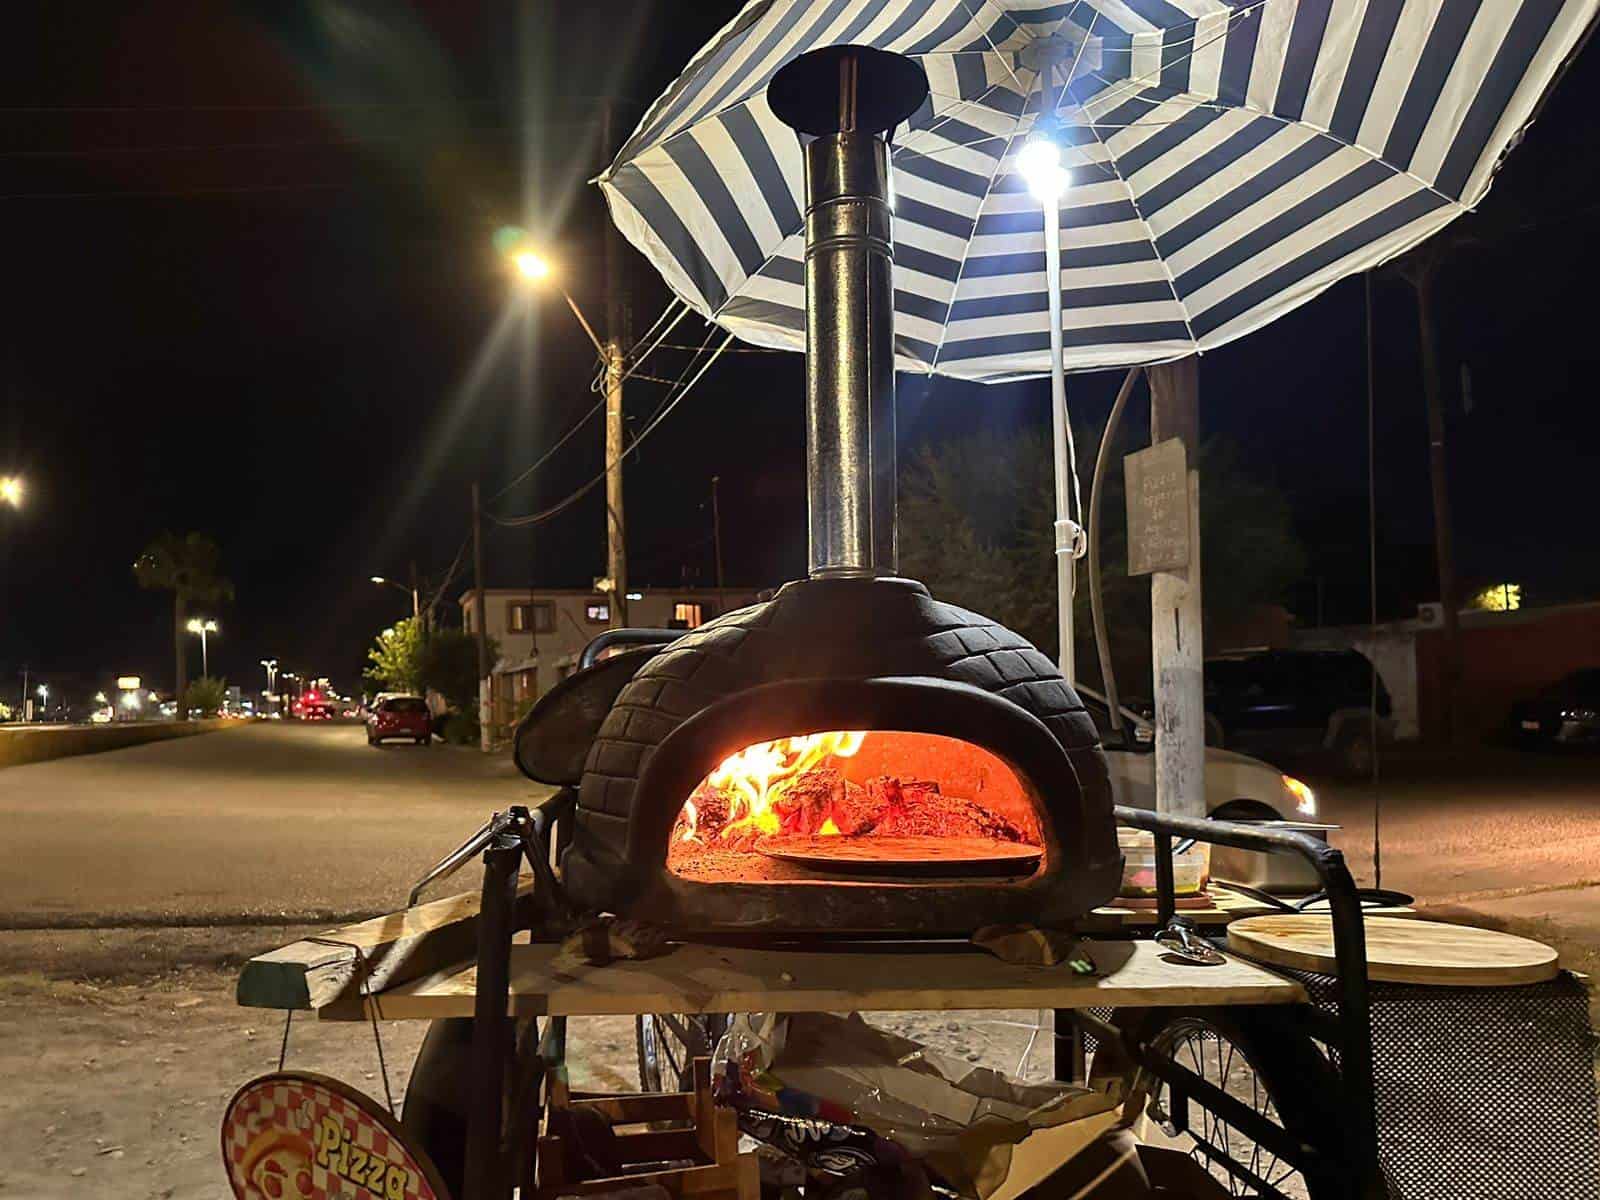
{"type": "Point", "coordinates": [461, 728]}
{"type": "Point", "coordinates": [207, 695]}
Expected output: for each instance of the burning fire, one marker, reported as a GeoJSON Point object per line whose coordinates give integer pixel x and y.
{"type": "Point", "coordinates": [756, 777]}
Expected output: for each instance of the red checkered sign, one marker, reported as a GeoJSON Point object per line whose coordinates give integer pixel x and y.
{"type": "Point", "coordinates": [296, 1136]}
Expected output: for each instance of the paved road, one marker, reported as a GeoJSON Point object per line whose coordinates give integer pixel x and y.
{"type": "Point", "coordinates": [279, 820]}
{"type": "Point", "coordinates": [290, 821]}
{"type": "Point", "coordinates": [1475, 824]}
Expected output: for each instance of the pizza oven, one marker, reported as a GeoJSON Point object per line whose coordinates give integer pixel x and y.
{"type": "Point", "coordinates": [853, 755]}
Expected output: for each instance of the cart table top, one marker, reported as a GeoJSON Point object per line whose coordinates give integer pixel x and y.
{"type": "Point", "coordinates": [699, 978]}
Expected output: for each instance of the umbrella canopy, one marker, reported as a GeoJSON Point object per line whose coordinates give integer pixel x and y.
{"type": "Point", "coordinates": [1229, 160]}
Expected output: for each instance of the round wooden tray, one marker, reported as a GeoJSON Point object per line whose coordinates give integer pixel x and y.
{"type": "Point", "coordinates": [1399, 950]}
{"type": "Point", "coordinates": [905, 855]}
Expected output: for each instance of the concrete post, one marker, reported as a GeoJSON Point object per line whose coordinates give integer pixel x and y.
{"type": "Point", "coordinates": [1176, 640]}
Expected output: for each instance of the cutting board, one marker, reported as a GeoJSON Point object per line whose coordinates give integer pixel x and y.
{"type": "Point", "coordinates": [1399, 950]}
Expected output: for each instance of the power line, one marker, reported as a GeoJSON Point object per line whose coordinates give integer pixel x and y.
{"type": "Point", "coordinates": [548, 454]}
{"type": "Point", "coordinates": [661, 415]}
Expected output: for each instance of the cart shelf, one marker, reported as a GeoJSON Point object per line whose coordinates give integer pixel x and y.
{"type": "Point", "coordinates": [704, 978]}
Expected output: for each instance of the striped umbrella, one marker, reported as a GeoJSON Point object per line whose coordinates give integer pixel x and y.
{"type": "Point", "coordinates": [1227, 161]}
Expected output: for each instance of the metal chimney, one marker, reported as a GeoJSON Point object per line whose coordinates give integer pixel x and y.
{"type": "Point", "coordinates": [846, 100]}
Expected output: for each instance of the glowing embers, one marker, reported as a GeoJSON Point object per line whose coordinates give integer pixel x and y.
{"type": "Point", "coordinates": [848, 802]}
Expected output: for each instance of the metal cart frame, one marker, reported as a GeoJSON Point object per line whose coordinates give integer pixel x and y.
{"type": "Point", "coordinates": [505, 1105]}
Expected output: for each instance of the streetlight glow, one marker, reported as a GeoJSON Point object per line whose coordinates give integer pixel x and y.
{"type": "Point", "coordinates": [531, 265]}
{"type": "Point", "coordinates": [11, 490]}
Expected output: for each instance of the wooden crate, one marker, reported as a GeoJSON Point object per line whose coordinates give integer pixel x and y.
{"type": "Point", "coordinates": [711, 1141]}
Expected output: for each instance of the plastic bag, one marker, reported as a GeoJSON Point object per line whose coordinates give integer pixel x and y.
{"type": "Point", "coordinates": [963, 1121]}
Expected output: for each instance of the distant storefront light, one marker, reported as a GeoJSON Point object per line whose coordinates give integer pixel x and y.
{"type": "Point", "coordinates": [1499, 597]}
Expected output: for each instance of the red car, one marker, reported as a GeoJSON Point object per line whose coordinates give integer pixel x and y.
{"type": "Point", "coordinates": [400, 717]}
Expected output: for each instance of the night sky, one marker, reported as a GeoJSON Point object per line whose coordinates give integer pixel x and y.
{"type": "Point", "coordinates": [251, 290]}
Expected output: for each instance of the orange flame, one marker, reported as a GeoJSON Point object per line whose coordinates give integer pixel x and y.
{"type": "Point", "coordinates": [757, 776]}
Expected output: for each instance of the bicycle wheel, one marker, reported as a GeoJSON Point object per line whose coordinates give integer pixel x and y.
{"type": "Point", "coordinates": [1275, 1072]}
{"type": "Point", "coordinates": [668, 1043]}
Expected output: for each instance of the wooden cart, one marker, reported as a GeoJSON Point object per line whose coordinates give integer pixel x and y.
{"type": "Point", "coordinates": [1191, 1033]}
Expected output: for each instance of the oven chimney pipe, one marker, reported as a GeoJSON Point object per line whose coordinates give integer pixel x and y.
{"type": "Point", "coordinates": [847, 100]}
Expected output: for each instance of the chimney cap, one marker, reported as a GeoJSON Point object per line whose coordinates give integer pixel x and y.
{"type": "Point", "coordinates": [805, 94]}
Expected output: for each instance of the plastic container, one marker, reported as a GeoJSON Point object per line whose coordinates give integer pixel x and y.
{"type": "Point", "coordinates": [1190, 868]}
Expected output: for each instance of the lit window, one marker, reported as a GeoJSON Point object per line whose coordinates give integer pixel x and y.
{"type": "Point", "coordinates": [598, 612]}
{"type": "Point", "coordinates": [517, 619]}
{"type": "Point", "coordinates": [687, 616]}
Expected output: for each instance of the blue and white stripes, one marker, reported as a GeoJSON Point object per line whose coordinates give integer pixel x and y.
{"type": "Point", "coordinates": [1230, 160]}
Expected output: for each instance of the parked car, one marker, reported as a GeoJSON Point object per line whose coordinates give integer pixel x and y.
{"type": "Point", "coordinates": [1567, 713]}
{"type": "Point", "coordinates": [1237, 786]}
{"type": "Point", "coordinates": [400, 717]}
{"type": "Point", "coordinates": [1297, 704]}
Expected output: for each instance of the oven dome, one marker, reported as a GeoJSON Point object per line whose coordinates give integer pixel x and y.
{"type": "Point", "coordinates": [822, 630]}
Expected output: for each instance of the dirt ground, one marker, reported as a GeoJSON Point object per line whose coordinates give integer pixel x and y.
{"type": "Point", "coordinates": [120, 1049]}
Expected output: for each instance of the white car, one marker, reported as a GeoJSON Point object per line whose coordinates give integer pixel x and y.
{"type": "Point", "coordinates": [1230, 777]}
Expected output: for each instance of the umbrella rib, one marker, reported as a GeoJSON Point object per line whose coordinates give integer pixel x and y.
{"type": "Point", "coordinates": [1131, 85]}
{"type": "Point", "coordinates": [1371, 155]}
{"type": "Point", "coordinates": [966, 250]}
{"type": "Point", "coordinates": [998, 53]}
{"type": "Point", "coordinates": [1150, 236]}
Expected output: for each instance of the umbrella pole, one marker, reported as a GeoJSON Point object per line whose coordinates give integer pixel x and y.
{"type": "Point", "coordinates": [1069, 535]}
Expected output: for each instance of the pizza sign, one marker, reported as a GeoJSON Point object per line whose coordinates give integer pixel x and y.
{"type": "Point", "coordinates": [297, 1136]}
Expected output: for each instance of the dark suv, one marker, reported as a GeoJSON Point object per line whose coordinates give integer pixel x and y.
{"type": "Point", "coordinates": [1285, 704]}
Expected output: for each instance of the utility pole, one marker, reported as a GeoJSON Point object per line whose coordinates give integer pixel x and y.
{"type": "Point", "coordinates": [716, 538]}
{"type": "Point", "coordinates": [1176, 633]}
{"type": "Point", "coordinates": [615, 352]}
{"type": "Point", "coordinates": [480, 611]}
{"type": "Point", "coordinates": [416, 600]}
{"type": "Point", "coordinates": [1421, 271]}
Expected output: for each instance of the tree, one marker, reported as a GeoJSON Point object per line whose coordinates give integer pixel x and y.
{"type": "Point", "coordinates": [206, 694]}
{"type": "Point", "coordinates": [977, 525]}
{"type": "Point", "coordinates": [187, 567]}
{"type": "Point", "coordinates": [396, 658]}
{"type": "Point", "coordinates": [406, 659]}
{"type": "Point", "coordinates": [448, 663]}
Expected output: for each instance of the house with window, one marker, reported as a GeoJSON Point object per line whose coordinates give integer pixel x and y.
{"type": "Point", "coordinates": [542, 631]}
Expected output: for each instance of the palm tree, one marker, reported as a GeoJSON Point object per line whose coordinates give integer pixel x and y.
{"type": "Point", "coordinates": [187, 567]}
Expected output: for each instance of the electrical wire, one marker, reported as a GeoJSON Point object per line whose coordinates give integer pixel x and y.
{"type": "Point", "coordinates": [550, 453]}
{"type": "Point", "coordinates": [449, 575]}
{"type": "Point", "coordinates": [661, 414]}
{"type": "Point", "coordinates": [1372, 589]}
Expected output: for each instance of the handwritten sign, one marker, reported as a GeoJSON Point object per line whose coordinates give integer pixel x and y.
{"type": "Point", "coordinates": [1157, 483]}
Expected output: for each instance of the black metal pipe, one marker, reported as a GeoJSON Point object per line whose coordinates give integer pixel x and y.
{"type": "Point", "coordinates": [1350, 957]}
{"type": "Point", "coordinates": [625, 637]}
{"type": "Point", "coordinates": [1166, 888]}
{"type": "Point", "coordinates": [492, 1031]}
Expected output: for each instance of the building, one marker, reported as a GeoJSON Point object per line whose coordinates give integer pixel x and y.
{"type": "Point", "coordinates": [1505, 656]}
{"type": "Point", "coordinates": [542, 631]}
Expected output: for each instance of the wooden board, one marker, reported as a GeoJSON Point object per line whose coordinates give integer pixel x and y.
{"type": "Point", "coordinates": [396, 948]}
{"type": "Point", "coordinates": [696, 978]}
{"type": "Point", "coordinates": [906, 855]}
{"type": "Point", "coordinates": [1400, 951]}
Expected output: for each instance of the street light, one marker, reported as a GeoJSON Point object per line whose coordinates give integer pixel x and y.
{"type": "Point", "coordinates": [11, 491]}
{"type": "Point", "coordinates": [536, 270]}
{"type": "Point", "coordinates": [1039, 162]}
{"type": "Point", "coordinates": [416, 599]}
{"type": "Point", "coordinates": [44, 697]}
{"type": "Point", "coordinates": [203, 627]}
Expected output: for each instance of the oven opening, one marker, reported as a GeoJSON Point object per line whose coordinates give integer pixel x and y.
{"type": "Point", "coordinates": [882, 804]}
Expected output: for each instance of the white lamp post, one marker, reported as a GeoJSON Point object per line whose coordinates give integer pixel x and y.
{"type": "Point", "coordinates": [1039, 161]}
{"type": "Point", "coordinates": [203, 627]}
